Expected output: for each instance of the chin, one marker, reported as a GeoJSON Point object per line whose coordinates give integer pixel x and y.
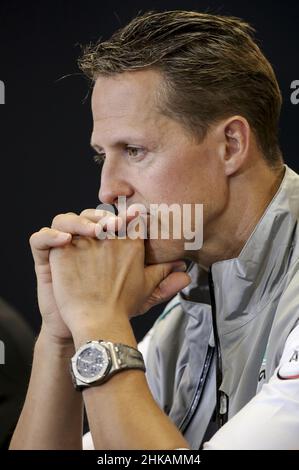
{"type": "Point", "coordinates": [163, 251]}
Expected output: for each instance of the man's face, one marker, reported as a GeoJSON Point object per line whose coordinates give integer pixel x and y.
{"type": "Point", "coordinates": [151, 158]}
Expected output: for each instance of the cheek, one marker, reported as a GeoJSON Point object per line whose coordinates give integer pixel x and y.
{"type": "Point", "coordinates": [166, 184]}
{"type": "Point", "coordinates": [158, 185]}
{"type": "Point", "coordinates": [184, 176]}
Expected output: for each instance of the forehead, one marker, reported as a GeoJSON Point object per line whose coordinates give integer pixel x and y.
{"type": "Point", "coordinates": [126, 95]}
{"type": "Point", "coordinates": [126, 107]}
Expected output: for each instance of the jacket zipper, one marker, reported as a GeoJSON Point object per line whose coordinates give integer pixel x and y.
{"type": "Point", "coordinates": [222, 398]}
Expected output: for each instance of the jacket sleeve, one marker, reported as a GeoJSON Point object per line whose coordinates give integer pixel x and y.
{"type": "Point", "coordinates": [270, 421]}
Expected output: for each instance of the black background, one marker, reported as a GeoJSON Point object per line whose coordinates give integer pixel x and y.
{"type": "Point", "coordinates": [46, 164]}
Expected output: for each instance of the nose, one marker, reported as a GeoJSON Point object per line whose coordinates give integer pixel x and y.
{"type": "Point", "coordinates": [113, 184]}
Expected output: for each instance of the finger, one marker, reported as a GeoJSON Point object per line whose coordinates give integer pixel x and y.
{"type": "Point", "coordinates": [41, 242]}
{"type": "Point", "coordinates": [157, 273]}
{"type": "Point", "coordinates": [74, 224]}
{"type": "Point", "coordinates": [167, 289]}
{"type": "Point", "coordinates": [137, 228]}
{"type": "Point", "coordinates": [173, 284]}
{"type": "Point", "coordinates": [105, 220]}
{"type": "Point", "coordinates": [136, 209]}
{"type": "Point", "coordinates": [109, 220]}
{"type": "Point", "coordinates": [112, 224]}
{"type": "Point", "coordinates": [94, 215]}
{"type": "Point", "coordinates": [109, 223]}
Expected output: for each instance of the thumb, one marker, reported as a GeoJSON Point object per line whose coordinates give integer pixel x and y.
{"type": "Point", "coordinates": [173, 284]}
{"type": "Point", "coordinates": [166, 279]}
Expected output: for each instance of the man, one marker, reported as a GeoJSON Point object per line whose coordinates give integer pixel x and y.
{"type": "Point", "coordinates": [186, 111]}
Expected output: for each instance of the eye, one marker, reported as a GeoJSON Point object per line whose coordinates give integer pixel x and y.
{"type": "Point", "coordinates": [135, 153]}
{"type": "Point", "coordinates": [99, 158]}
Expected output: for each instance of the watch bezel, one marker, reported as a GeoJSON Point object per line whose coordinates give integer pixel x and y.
{"type": "Point", "coordinates": [101, 348]}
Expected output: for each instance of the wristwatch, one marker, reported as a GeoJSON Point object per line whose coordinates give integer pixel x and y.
{"type": "Point", "coordinates": [96, 361]}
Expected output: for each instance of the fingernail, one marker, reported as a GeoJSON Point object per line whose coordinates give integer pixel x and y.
{"type": "Point", "coordinates": [64, 236]}
{"type": "Point", "coordinates": [179, 268]}
{"type": "Point", "coordinates": [163, 284]}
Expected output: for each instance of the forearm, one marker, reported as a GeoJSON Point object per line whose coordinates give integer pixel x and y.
{"type": "Point", "coordinates": [122, 413]}
{"type": "Point", "coordinates": [52, 414]}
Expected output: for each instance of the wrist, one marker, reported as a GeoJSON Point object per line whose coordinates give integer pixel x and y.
{"type": "Point", "coordinates": [116, 329]}
{"type": "Point", "coordinates": [57, 346]}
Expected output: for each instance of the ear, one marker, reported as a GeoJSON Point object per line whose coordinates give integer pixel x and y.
{"type": "Point", "coordinates": [236, 136]}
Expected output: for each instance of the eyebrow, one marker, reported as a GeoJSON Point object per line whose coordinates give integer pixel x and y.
{"type": "Point", "coordinates": [96, 147]}
{"type": "Point", "coordinates": [116, 144]}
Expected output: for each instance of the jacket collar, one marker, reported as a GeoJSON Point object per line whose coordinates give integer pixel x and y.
{"type": "Point", "coordinates": [243, 285]}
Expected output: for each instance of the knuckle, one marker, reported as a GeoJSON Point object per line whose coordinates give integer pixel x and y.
{"type": "Point", "coordinates": [60, 219]}
{"type": "Point", "coordinates": [35, 235]}
{"type": "Point", "coordinates": [103, 213]}
{"type": "Point", "coordinates": [81, 242]}
{"type": "Point", "coordinates": [32, 238]}
{"type": "Point", "coordinates": [87, 212]}
{"type": "Point", "coordinates": [57, 219]}
{"type": "Point", "coordinates": [83, 220]}
{"type": "Point", "coordinates": [159, 297]}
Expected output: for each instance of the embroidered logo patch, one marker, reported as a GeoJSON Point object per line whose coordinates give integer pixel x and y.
{"type": "Point", "coordinates": [290, 370]}
{"type": "Point", "coordinates": [262, 374]}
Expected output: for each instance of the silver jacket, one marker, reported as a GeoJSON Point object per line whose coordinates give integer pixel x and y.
{"type": "Point", "coordinates": [221, 339]}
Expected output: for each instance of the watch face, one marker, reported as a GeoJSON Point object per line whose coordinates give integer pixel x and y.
{"type": "Point", "coordinates": [92, 362]}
